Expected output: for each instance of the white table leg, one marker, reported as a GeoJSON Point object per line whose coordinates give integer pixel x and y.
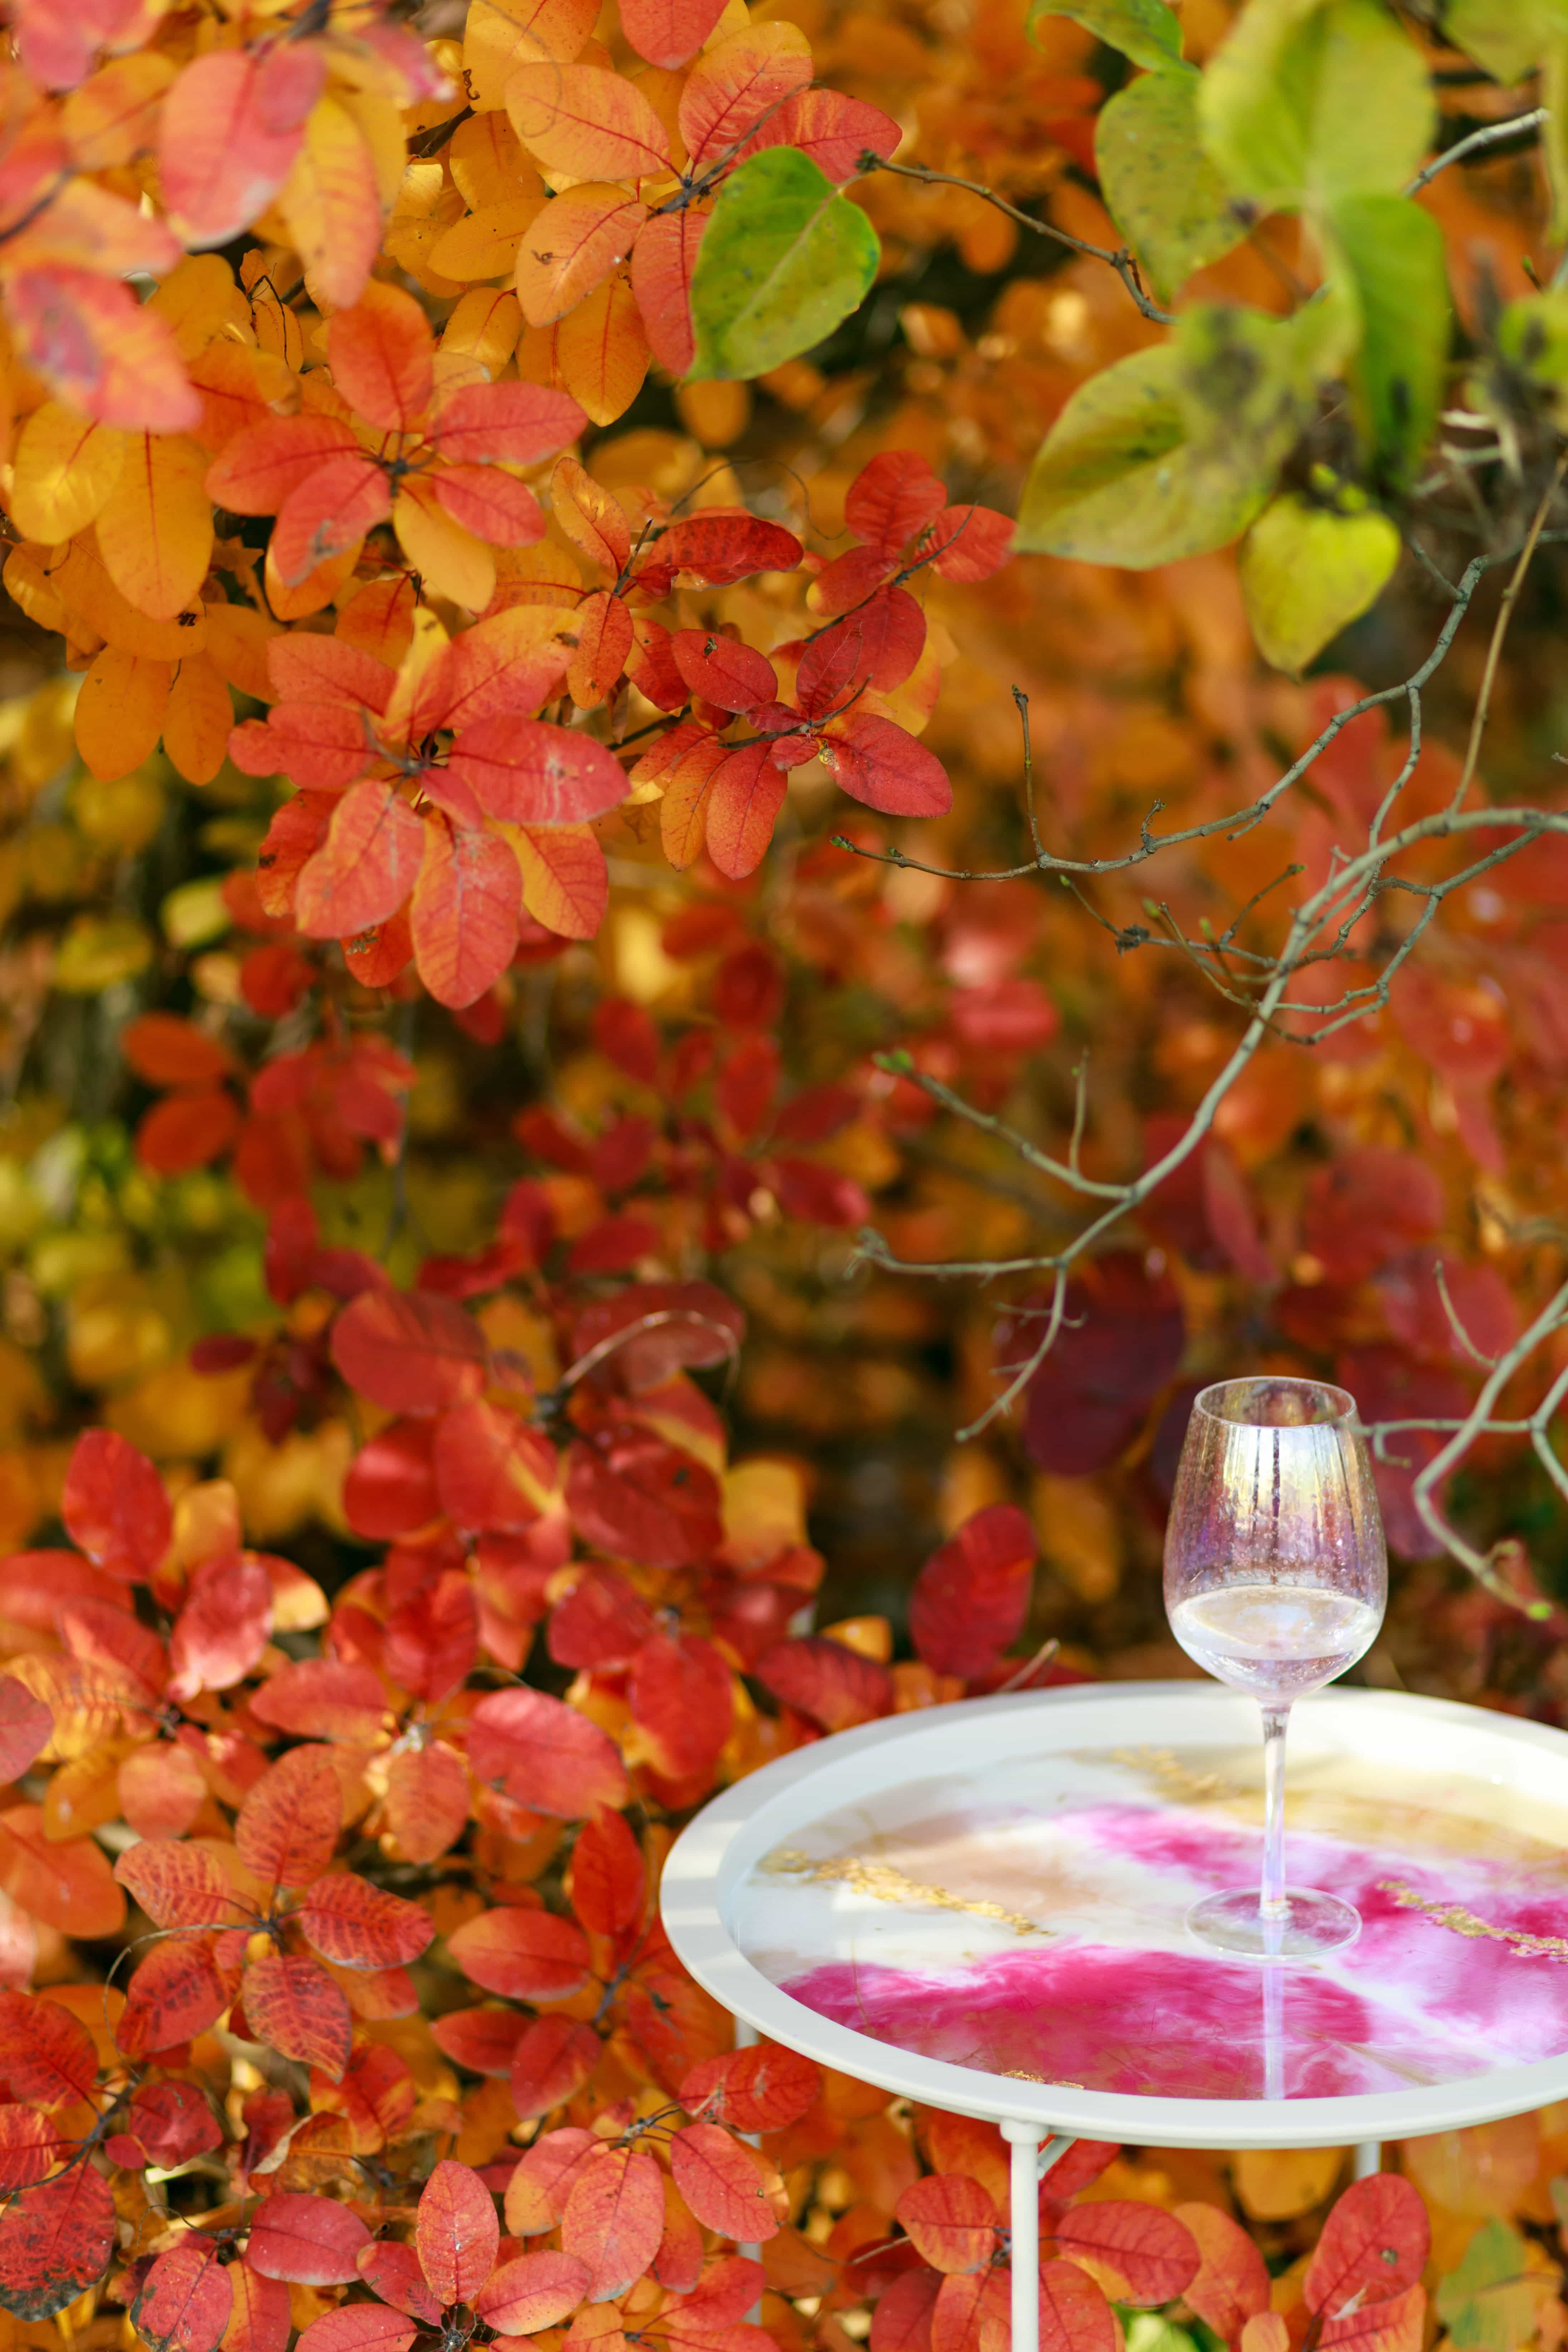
{"type": "Point", "coordinates": [1368, 2159]}
{"type": "Point", "coordinates": [747, 2038]}
{"type": "Point", "coordinates": [1024, 2221]}
{"type": "Point", "coordinates": [1030, 2163]}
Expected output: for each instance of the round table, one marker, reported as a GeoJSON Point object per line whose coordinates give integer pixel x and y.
{"type": "Point", "coordinates": [982, 1908]}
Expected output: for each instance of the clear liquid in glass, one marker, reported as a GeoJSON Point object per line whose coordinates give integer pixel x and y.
{"type": "Point", "coordinates": [1277, 1641]}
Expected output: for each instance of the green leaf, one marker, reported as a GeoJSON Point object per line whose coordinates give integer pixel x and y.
{"type": "Point", "coordinates": [1390, 253]}
{"type": "Point", "coordinates": [1307, 572]}
{"type": "Point", "coordinates": [1144, 30]}
{"type": "Point", "coordinates": [1165, 195]}
{"type": "Point", "coordinates": [1533, 334]}
{"type": "Point", "coordinates": [1310, 100]}
{"type": "Point", "coordinates": [785, 259]}
{"type": "Point", "coordinates": [1170, 452]}
{"type": "Point", "coordinates": [1507, 37]}
{"type": "Point", "coordinates": [1488, 2303]}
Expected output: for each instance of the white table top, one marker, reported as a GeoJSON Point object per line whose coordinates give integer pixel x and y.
{"type": "Point", "coordinates": [982, 1908]}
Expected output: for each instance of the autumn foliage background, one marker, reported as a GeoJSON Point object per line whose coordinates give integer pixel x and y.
{"type": "Point", "coordinates": [561, 860]}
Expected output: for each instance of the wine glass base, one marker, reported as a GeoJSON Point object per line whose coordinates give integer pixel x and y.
{"type": "Point", "coordinates": [1312, 1926]}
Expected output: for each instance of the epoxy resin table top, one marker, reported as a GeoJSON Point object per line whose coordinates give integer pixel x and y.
{"type": "Point", "coordinates": [982, 1906]}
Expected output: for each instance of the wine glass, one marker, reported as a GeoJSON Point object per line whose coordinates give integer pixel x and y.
{"type": "Point", "coordinates": [1275, 1581]}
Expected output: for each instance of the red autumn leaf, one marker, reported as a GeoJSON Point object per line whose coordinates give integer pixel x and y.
{"type": "Point", "coordinates": [26, 1727]}
{"type": "Point", "coordinates": [323, 1698]}
{"type": "Point", "coordinates": [166, 2123]}
{"type": "Point", "coordinates": [187, 1130]}
{"type": "Point", "coordinates": [1121, 1339]}
{"type": "Point", "coordinates": [1367, 1206]}
{"type": "Point", "coordinates": [551, 2060]}
{"type": "Point", "coordinates": [222, 156]}
{"type": "Point", "coordinates": [644, 1499]}
{"type": "Point", "coordinates": [669, 1326]}
{"type": "Point", "coordinates": [522, 424]}
{"type": "Point", "coordinates": [364, 868]}
{"type": "Point", "coordinates": [878, 762]}
{"type": "Point", "coordinates": [528, 772]}
{"type": "Point", "coordinates": [950, 2220]}
{"type": "Point", "coordinates": [311, 2240]}
{"type": "Point", "coordinates": [492, 1471]}
{"type": "Point", "coordinates": [47, 2056]}
{"type": "Point", "coordinates": [723, 548]}
{"type": "Point", "coordinates": [971, 1599]}
{"type": "Point", "coordinates": [969, 543]}
{"type": "Point", "coordinates": [608, 1879]}
{"type": "Point", "coordinates": [765, 2088]}
{"type": "Point", "coordinates": [523, 1955]}
{"type": "Point", "coordinates": [30, 2147]}
{"type": "Point", "coordinates": [1152, 2254]}
{"type": "Point", "coordinates": [482, 2040]}
{"type": "Point", "coordinates": [682, 1699]}
{"type": "Point", "coordinates": [531, 2291]}
{"type": "Point", "coordinates": [969, 2305]}
{"type": "Point", "coordinates": [1074, 2314]}
{"type": "Point", "coordinates": [221, 1631]}
{"type": "Point", "coordinates": [323, 746]}
{"type": "Point", "coordinates": [359, 2327]}
{"type": "Point", "coordinates": [382, 357]}
{"type": "Point", "coordinates": [901, 2321]}
{"type": "Point", "coordinates": [1395, 2326]}
{"type": "Point", "coordinates": [719, 670]}
{"type": "Point", "coordinates": [718, 2177]}
{"type": "Point", "coordinates": [744, 797]}
{"type": "Point", "coordinates": [455, 2232]}
{"type": "Point", "coordinates": [431, 1640]}
{"type": "Point", "coordinates": [357, 1925]}
{"type": "Point", "coordinates": [292, 2004]}
{"type": "Point", "coordinates": [409, 1352]}
{"type": "Point", "coordinates": [668, 32]}
{"type": "Point", "coordinates": [1231, 2283]}
{"type": "Point", "coordinates": [537, 2192]}
{"type": "Point", "coordinates": [836, 1686]}
{"type": "Point", "coordinates": [55, 2243]}
{"type": "Point", "coordinates": [186, 2299]}
{"type": "Point", "coordinates": [614, 2219]}
{"type": "Point", "coordinates": [663, 260]}
{"type": "Point", "coordinates": [288, 1824]}
{"type": "Point", "coordinates": [390, 1488]}
{"type": "Point", "coordinates": [66, 1883]}
{"type": "Point", "coordinates": [893, 498]}
{"type": "Point", "coordinates": [834, 131]}
{"type": "Point", "coordinates": [178, 1992]}
{"type": "Point", "coordinates": [465, 911]}
{"type": "Point", "coordinates": [177, 1885]}
{"type": "Point", "coordinates": [261, 2321]}
{"type": "Point", "coordinates": [427, 1801]}
{"type": "Point", "coordinates": [169, 1052]}
{"type": "Point", "coordinates": [114, 1506]}
{"type": "Point", "coordinates": [547, 1756]}
{"type": "Point", "coordinates": [1375, 2245]}
{"type": "Point", "coordinates": [391, 2270]}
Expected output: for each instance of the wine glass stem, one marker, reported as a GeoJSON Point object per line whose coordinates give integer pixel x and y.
{"type": "Point", "coordinates": [1272, 1898]}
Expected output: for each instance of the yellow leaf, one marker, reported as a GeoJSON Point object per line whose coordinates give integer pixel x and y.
{"type": "Point", "coordinates": [332, 205]}
{"type": "Point", "coordinates": [487, 164]}
{"type": "Point", "coordinates": [82, 579]}
{"type": "Point", "coordinates": [65, 468]}
{"type": "Point", "coordinates": [485, 243]}
{"type": "Point", "coordinates": [98, 951]}
{"type": "Point", "coordinates": [197, 722]}
{"type": "Point", "coordinates": [156, 528]}
{"type": "Point", "coordinates": [120, 711]}
{"type": "Point", "coordinates": [449, 560]}
{"type": "Point", "coordinates": [316, 590]}
{"type": "Point", "coordinates": [199, 300]}
{"type": "Point", "coordinates": [1276, 2183]}
{"type": "Point", "coordinates": [121, 813]}
{"type": "Point", "coordinates": [599, 354]}
{"type": "Point", "coordinates": [112, 117]}
{"type": "Point", "coordinates": [1307, 572]}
